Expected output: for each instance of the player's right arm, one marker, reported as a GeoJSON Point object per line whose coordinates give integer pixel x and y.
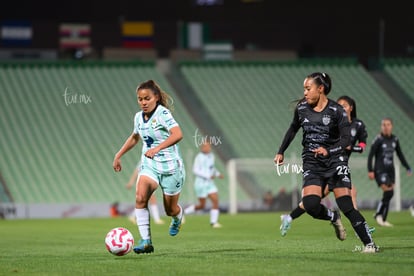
{"type": "Point", "coordinates": [289, 136]}
{"type": "Point", "coordinates": [130, 142]}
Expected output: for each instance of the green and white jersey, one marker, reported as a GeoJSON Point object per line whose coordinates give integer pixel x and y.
{"type": "Point", "coordinates": [203, 166]}
{"type": "Point", "coordinates": [153, 132]}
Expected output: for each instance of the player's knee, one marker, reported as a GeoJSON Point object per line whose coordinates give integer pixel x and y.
{"type": "Point", "coordinates": [201, 205]}
{"type": "Point", "coordinates": [312, 204]}
{"type": "Point", "coordinates": [140, 200]}
{"type": "Point", "coordinates": [345, 204]}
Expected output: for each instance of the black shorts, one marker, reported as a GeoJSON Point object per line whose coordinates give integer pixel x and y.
{"type": "Point", "coordinates": [339, 177]}
{"type": "Point", "coordinates": [387, 178]}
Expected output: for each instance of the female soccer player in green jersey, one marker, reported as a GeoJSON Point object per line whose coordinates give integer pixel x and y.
{"type": "Point", "coordinates": [161, 162]}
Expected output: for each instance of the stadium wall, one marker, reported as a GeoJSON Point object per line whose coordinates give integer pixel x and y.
{"type": "Point", "coordinates": [46, 211]}
{"type": "Point", "coordinates": [356, 29]}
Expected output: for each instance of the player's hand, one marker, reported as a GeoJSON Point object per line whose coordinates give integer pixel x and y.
{"type": "Point", "coordinates": [409, 172]}
{"type": "Point", "coordinates": [278, 159]}
{"type": "Point", "coordinates": [117, 165]}
{"type": "Point", "coordinates": [320, 151]}
{"type": "Point", "coordinates": [371, 175]}
{"type": "Point", "coordinates": [151, 152]}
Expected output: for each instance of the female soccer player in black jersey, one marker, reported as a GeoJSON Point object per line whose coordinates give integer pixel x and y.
{"type": "Point", "coordinates": [326, 136]}
{"type": "Point", "coordinates": [358, 136]}
{"type": "Point", "coordinates": [383, 172]}
{"type": "Point", "coordinates": [358, 133]}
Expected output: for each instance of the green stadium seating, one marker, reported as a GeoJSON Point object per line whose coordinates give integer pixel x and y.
{"type": "Point", "coordinates": [253, 102]}
{"type": "Point", "coordinates": [402, 72]}
{"type": "Point", "coordinates": [59, 149]}
{"type": "Point", "coordinates": [55, 151]}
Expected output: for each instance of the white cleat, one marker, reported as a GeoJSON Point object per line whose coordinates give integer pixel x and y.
{"type": "Point", "coordinates": [370, 248]}
{"type": "Point", "coordinates": [379, 220]}
{"type": "Point", "coordinates": [216, 225]}
{"type": "Point", "coordinates": [339, 228]}
{"type": "Point", "coordinates": [387, 224]}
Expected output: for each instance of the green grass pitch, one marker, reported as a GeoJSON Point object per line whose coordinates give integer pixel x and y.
{"type": "Point", "coordinates": [248, 244]}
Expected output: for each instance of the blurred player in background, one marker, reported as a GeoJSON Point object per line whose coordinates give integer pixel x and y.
{"type": "Point", "coordinates": [358, 134]}
{"type": "Point", "coordinates": [326, 136]}
{"type": "Point", "coordinates": [383, 171]}
{"type": "Point", "coordinates": [205, 172]}
{"type": "Point", "coordinates": [114, 210]}
{"type": "Point", "coordinates": [161, 162]}
{"type": "Point", "coordinates": [153, 206]}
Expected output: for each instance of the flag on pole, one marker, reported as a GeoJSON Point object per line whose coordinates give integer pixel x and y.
{"type": "Point", "coordinates": [74, 36]}
{"type": "Point", "coordinates": [137, 34]}
{"type": "Point", "coordinates": [16, 33]}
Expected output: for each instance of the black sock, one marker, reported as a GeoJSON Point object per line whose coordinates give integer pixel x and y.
{"type": "Point", "coordinates": [297, 212]}
{"type": "Point", "coordinates": [360, 226]}
{"type": "Point", "coordinates": [355, 218]}
{"type": "Point", "coordinates": [386, 203]}
{"type": "Point", "coordinates": [385, 210]}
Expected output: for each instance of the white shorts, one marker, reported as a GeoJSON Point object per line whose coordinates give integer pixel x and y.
{"type": "Point", "coordinates": [203, 187]}
{"type": "Point", "coordinates": [171, 184]}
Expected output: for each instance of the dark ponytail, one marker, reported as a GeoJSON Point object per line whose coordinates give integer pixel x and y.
{"type": "Point", "coordinates": [322, 79]}
{"type": "Point", "coordinates": [164, 99]}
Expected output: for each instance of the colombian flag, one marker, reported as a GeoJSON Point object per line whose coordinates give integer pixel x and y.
{"type": "Point", "coordinates": [137, 34]}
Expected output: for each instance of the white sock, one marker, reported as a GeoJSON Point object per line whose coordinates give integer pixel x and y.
{"type": "Point", "coordinates": [214, 215]}
{"type": "Point", "coordinates": [155, 213]}
{"type": "Point", "coordinates": [190, 209]}
{"type": "Point", "coordinates": [143, 222]}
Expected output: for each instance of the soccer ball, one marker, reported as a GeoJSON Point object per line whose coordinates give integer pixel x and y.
{"type": "Point", "coordinates": [119, 241]}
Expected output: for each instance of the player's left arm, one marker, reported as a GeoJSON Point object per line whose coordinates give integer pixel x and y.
{"type": "Point", "coordinates": [175, 136]}
{"type": "Point", "coordinates": [402, 158]}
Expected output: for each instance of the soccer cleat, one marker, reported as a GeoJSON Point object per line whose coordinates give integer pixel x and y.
{"type": "Point", "coordinates": [370, 248]}
{"type": "Point", "coordinates": [145, 246]}
{"type": "Point", "coordinates": [339, 227]}
{"type": "Point", "coordinates": [387, 224]}
{"type": "Point", "coordinates": [216, 225]}
{"type": "Point", "coordinates": [175, 226]}
{"type": "Point", "coordinates": [285, 225]}
{"type": "Point", "coordinates": [379, 220]}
